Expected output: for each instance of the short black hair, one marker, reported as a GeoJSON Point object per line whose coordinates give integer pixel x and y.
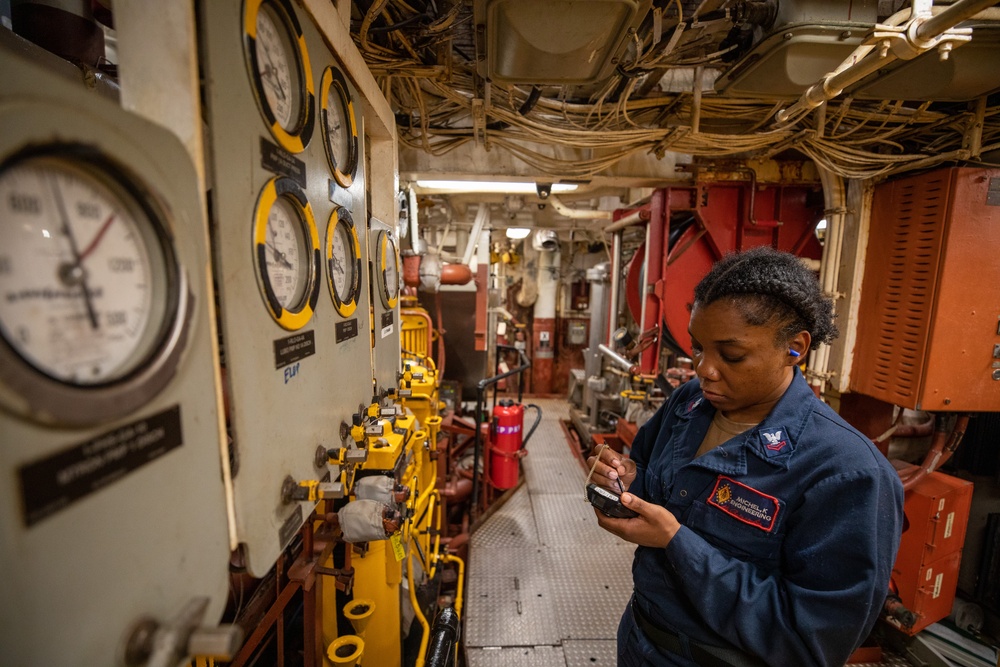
{"type": "Point", "coordinates": [771, 287]}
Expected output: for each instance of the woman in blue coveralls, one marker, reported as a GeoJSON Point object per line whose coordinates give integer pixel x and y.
{"type": "Point", "coordinates": [767, 526]}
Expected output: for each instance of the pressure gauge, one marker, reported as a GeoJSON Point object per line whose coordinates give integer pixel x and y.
{"type": "Point", "coordinates": [343, 261]}
{"type": "Point", "coordinates": [340, 128]}
{"type": "Point", "coordinates": [93, 307]}
{"type": "Point", "coordinates": [286, 249]}
{"type": "Point", "coordinates": [388, 266]}
{"type": "Point", "coordinates": [279, 68]}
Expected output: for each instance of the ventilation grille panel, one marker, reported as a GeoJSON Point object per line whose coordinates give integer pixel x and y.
{"type": "Point", "coordinates": [904, 252]}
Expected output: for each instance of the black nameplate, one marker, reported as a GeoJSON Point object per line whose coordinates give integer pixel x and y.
{"type": "Point", "coordinates": [346, 330]}
{"type": "Point", "coordinates": [278, 160]}
{"type": "Point", "coordinates": [290, 527]}
{"type": "Point", "coordinates": [387, 319]}
{"type": "Point", "coordinates": [57, 481]}
{"type": "Point", "coordinates": [294, 348]}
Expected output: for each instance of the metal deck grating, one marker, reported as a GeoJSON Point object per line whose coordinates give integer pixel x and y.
{"type": "Point", "coordinates": [518, 656]}
{"type": "Point", "coordinates": [546, 585]}
{"type": "Point", "coordinates": [540, 566]}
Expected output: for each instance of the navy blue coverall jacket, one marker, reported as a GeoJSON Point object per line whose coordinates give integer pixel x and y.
{"type": "Point", "coordinates": [788, 531]}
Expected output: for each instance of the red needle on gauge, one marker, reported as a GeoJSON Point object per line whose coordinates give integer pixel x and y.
{"type": "Point", "coordinates": [98, 237]}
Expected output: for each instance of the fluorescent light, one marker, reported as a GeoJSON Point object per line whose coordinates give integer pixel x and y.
{"type": "Point", "coordinates": [821, 225]}
{"type": "Point", "coordinates": [517, 232]}
{"type": "Point", "coordinates": [492, 186]}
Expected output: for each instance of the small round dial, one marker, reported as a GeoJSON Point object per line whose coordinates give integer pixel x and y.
{"type": "Point", "coordinates": [389, 270]}
{"type": "Point", "coordinates": [83, 273]}
{"type": "Point", "coordinates": [343, 251]}
{"type": "Point", "coordinates": [340, 127]}
{"type": "Point", "coordinates": [278, 63]}
{"type": "Point", "coordinates": [286, 245]}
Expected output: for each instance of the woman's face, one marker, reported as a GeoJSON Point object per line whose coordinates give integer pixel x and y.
{"type": "Point", "coordinates": [742, 368]}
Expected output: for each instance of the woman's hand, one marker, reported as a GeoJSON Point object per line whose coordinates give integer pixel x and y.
{"type": "Point", "coordinates": [654, 527]}
{"type": "Point", "coordinates": [611, 467]}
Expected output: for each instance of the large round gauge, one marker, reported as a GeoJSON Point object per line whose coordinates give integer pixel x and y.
{"type": "Point", "coordinates": [93, 307]}
{"type": "Point", "coordinates": [343, 261]}
{"type": "Point", "coordinates": [388, 267]}
{"type": "Point", "coordinates": [286, 247]}
{"type": "Point", "coordinates": [340, 128]}
{"type": "Point", "coordinates": [279, 67]}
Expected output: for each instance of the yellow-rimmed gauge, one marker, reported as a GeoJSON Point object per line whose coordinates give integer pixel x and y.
{"type": "Point", "coordinates": [343, 261]}
{"type": "Point", "coordinates": [279, 68]}
{"type": "Point", "coordinates": [287, 251]}
{"type": "Point", "coordinates": [340, 127]}
{"type": "Point", "coordinates": [93, 305]}
{"type": "Point", "coordinates": [388, 267]}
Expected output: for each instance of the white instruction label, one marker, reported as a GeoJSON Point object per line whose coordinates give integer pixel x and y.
{"type": "Point", "coordinates": [937, 585]}
{"type": "Point", "coordinates": [949, 524]}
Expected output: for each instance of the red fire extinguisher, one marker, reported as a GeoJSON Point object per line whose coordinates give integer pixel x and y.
{"type": "Point", "coordinates": [507, 443]}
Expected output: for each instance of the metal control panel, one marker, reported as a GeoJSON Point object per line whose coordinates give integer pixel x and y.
{"type": "Point", "coordinates": [109, 430]}
{"type": "Point", "coordinates": [291, 246]}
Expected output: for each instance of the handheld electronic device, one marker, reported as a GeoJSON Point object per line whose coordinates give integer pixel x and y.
{"type": "Point", "coordinates": [608, 503]}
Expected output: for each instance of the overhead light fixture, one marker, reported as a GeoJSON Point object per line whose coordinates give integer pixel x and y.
{"type": "Point", "coordinates": [517, 232]}
{"type": "Point", "coordinates": [509, 187]}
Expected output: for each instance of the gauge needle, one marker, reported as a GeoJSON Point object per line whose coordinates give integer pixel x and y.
{"type": "Point", "coordinates": [77, 257]}
{"type": "Point", "coordinates": [337, 266]}
{"type": "Point", "coordinates": [279, 256]}
{"type": "Point", "coordinates": [97, 237]}
{"type": "Point", "coordinates": [272, 72]}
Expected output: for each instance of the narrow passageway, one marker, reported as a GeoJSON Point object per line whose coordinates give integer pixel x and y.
{"type": "Point", "coordinates": [546, 585]}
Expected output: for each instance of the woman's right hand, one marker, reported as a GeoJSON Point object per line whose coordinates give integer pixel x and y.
{"type": "Point", "coordinates": [611, 467]}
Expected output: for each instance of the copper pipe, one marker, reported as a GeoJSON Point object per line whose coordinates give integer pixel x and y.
{"type": "Point", "coordinates": [942, 447]}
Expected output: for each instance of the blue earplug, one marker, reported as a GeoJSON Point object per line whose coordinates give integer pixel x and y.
{"type": "Point", "coordinates": [794, 353]}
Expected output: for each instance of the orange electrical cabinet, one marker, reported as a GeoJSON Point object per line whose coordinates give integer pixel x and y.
{"type": "Point", "coordinates": [929, 317]}
{"type": "Point", "coordinates": [930, 551]}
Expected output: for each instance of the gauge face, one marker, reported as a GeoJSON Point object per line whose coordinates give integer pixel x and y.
{"type": "Point", "coordinates": [278, 67]}
{"type": "Point", "coordinates": [343, 251]}
{"type": "Point", "coordinates": [85, 287]}
{"type": "Point", "coordinates": [286, 248]}
{"type": "Point", "coordinates": [287, 258]}
{"type": "Point", "coordinates": [340, 128]}
{"type": "Point", "coordinates": [389, 270]}
{"type": "Point", "coordinates": [278, 63]}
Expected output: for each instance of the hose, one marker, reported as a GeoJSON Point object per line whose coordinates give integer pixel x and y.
{"type": "Point", "coordinates": [538, 420]}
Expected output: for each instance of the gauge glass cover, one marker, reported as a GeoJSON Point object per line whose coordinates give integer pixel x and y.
{"type": "Point", "coordinates": [278, 67]}
{"type": "Point", "coordinates": [342, 262]}
{"type": "Point", "coordinates": [287, 254]}
{"type": "Point", "coordinates": [340, 128]}
{"type": "Point", "coordinates": [83, 274]}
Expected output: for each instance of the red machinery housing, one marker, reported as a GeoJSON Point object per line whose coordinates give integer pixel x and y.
{"type": "Point", "coordinates": [691, 227]}
{"type": "Point", "coordinates": [925, 575]}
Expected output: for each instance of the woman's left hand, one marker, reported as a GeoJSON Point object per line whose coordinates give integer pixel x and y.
{"type": "Point", "coordinates": [654, 527]}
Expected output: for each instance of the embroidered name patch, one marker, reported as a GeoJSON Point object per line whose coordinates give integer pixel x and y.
{"type": "Point", "coordinates": [774, 441]}
{"type": "Point", "coordinates": [744, 503]}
